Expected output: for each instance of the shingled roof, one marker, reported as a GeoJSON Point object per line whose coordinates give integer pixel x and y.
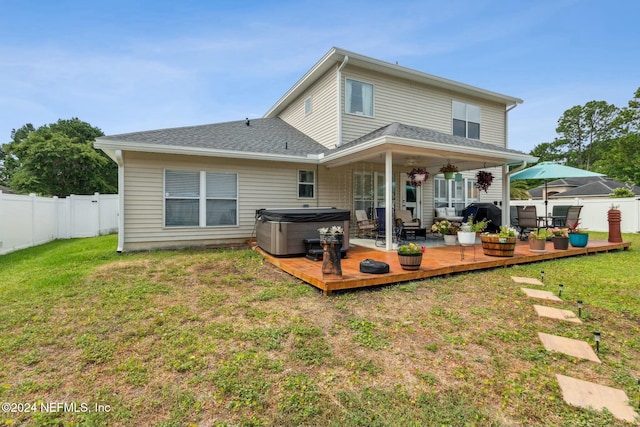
{"type": "Point", "coordinates": [272, 136]}
{"type": "Point", "coordinates": [597, 186]}
{"type": "Point", "coordinates": [400, 130]}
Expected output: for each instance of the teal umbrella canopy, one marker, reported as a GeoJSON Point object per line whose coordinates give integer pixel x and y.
{"type": "Point", "coordinates": [552, 170]}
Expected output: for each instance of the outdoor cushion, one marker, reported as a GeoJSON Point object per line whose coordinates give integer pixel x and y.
{"type": "Point", "coordinates": [441, 212]}
{"type": "Point", "coordinates": [450, 211]}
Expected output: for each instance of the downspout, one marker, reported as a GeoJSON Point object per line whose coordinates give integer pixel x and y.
{"type": "Point", "coordinates": [120, 162]}
{"type": "Point", "coordinates": [506, 184]}
{"type": "Point", "coordinates": [344, 63]}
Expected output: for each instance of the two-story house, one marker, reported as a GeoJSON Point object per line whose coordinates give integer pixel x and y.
{"type": "Point", "coordinates": [345, 135]}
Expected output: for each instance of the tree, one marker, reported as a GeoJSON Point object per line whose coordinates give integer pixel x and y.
{"type": "Point", "coordinates": [585, 130]}
{"type": "Point", "coordinates": [58, 159]}
{"type": "Point", "coordinates": [621, 159]}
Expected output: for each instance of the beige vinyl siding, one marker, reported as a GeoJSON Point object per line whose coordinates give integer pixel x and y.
{"type": "Point", "coordinates": [260, 185]}
{"type": "Point", "coordinates": [494, 193]}
{"type": "Point", "coordinates": [322, 123]}
{"type": "Point", "coordinates": [397, 100]}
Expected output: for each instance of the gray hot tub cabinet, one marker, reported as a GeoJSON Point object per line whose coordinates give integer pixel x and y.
{"type": "Point", "coordinates": [281, 232]}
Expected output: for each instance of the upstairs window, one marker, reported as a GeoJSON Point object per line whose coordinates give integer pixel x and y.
{"type": "Point", "coordinates": [306, 184]}
{"type": "Point", "coordinates": [359, 98]}
{"type": "Point", "coordinates": [466, 120]}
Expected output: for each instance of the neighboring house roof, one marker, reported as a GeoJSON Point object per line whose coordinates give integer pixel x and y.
{"type": "Point", "coordinates": [261, 138]}
{"type": "Point", "coordinates": [6, 190]}
{"type": "Point", "coordinates": [582, 187]}
{"type": "Point", "coordinates": [338, 56]}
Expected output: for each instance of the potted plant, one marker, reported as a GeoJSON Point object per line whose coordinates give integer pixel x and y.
{"type": "Point", "coordinates": [468, 230]}
{"type": "Point", "coordinates": [484, 180]}
{"type": "Point", "coordinates": [538, 240]}
{"type": "Point", "coordinates": [448, 170]}
{"type": "Point", "coordinates": [331, 239]}
{"type": "Point", "coordinates": [560, 238]}
{"type": "Point", "coordinates": [417, 176]}
{"type": "Point", "coordinates": [447, 230]}
{"type": "Point", "coordinates": [499, 244]}
{"type": "Point", "coordinates": [578, 237]}
{"type": "Point", "coordinates": [410, 256]}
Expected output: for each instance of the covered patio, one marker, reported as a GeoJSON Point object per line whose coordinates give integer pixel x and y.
{"type": "Point", "coordinates": [437, 261]}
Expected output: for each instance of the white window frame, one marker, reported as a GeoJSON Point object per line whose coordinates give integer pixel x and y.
{"type": "Point", "coordinates": [348, 99]}
{"type": "Point", "coordinates": [312, 184]}
{"type": "Point", "coordinates": [468, 113]}
{"type": "Point", "coordinates": [202, 199]}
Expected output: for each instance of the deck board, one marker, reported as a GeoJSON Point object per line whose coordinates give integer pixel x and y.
{"type": "Point", "coordinates": [436, 261]}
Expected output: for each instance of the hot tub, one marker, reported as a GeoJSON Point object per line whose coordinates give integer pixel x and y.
{"type": "Point", "coordinates": [281, 232]}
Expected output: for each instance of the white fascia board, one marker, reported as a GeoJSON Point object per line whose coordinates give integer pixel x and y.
{"type": "Point", "coordinates": [198, 151]}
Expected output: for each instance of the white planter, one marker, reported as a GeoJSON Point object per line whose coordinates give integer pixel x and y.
{"type": "Point", "coordinates": [467, 238]}
{"type": "Point", "coordinates": [450, 239]}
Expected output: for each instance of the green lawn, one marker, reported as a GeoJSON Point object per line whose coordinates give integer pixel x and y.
{"type": "Point", "coordinates": [219, 337]}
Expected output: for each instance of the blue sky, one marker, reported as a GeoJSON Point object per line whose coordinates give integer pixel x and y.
{"type": "Point", "coordinates": [127, 66]}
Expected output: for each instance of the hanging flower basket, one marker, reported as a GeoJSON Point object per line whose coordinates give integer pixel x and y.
{"type": "Point", "coordinates": [483, 180]}
{"type": "Point", "coordinates": [448, 170]}
{"type": "Point", "coordinates": [417, 176]}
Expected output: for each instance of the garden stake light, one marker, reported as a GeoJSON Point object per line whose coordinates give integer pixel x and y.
{"type": "Point", "coordinates": [560, 286]}
{"type": "Point", "coordinates": [579, 308]}
{"type": "Point", "coordinates": [542, 275]}
{"type": "Point", "coordinates": [596, 337]}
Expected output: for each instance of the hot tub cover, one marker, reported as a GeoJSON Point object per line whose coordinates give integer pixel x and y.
{"type": "Point", "coordinates": [304, 215]}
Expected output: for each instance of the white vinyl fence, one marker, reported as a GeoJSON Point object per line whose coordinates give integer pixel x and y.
{"type": "Point", "coordinates": [27, 221]}
{"type": "Point", "coordinates": [593, 215]}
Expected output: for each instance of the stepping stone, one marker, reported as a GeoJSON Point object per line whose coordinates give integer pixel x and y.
{"type": "Point", "coordinates": [556, 313]}
{"type": "Point", "coordinates": [527, 280]}
{"type": "Point", "coordinates": [535, 293]}
{"type": "Point", "coordinates": [585, 394]}
{"type": "Point", "coordinates": [575, 348]}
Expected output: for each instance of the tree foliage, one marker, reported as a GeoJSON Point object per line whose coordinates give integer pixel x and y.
{"type": "Point", "coordinates": [58, 160]}
{"type": "Point", "coordinates": [598, 136]}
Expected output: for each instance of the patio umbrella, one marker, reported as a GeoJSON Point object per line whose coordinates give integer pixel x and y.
{"type": "Point", "coordinates": [551, 170]}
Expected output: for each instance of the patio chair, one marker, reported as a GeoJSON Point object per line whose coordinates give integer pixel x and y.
{"type": "Point", "coordinates": [366, 227]}
{"type": "Point", "coordinates": [559, 215]}
{"type": "Point", "coordinates": [405, 220]}
{"type": "Point", "coordinates": [573, 216]}
{"type": "Point", "coordinates": [527, 221]}
{"type": "Point", "coordinates": [382, 229]}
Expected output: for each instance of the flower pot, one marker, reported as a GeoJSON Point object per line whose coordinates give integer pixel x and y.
{"type": "Point", "coordinates": [614, 217]}
{"type": "Point", "coordinates": [492, 246]}
{"type": "Point", "coordinates": [561, 243]}
{"type": "Point", "coordinates": [450, 239]}
{"type": "Point", "coordinates": [578, 240]}
{"type": "Point", "coordinates": [467, 238]}
{"type": "Point", "coordinates": [410, 262]}
{"type": "Point", "coordinates": [537, 245]}
{"type": "Point", "coordinates": [448, 175]}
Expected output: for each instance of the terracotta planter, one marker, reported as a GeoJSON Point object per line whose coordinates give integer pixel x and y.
{"type": "Point", "coordinates": [498, 246]}
{"type": "Point", "coordinates": [614, 217]}
{"type": "Point", "coordinates": [537, 245]}
{"type": "Point", "coordinates": [410, 262]}
{"type": "Point", "coordinates": [561, 243]}
{"type": "Point", "coordinates": [578, 240]}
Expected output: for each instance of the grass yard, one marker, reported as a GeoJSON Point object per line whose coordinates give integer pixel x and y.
{"type": "Point", "coordinates": [219, 337]}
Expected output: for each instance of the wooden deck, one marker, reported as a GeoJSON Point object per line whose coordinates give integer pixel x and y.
{"type": "Point", "coordinates": [436, 261]}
